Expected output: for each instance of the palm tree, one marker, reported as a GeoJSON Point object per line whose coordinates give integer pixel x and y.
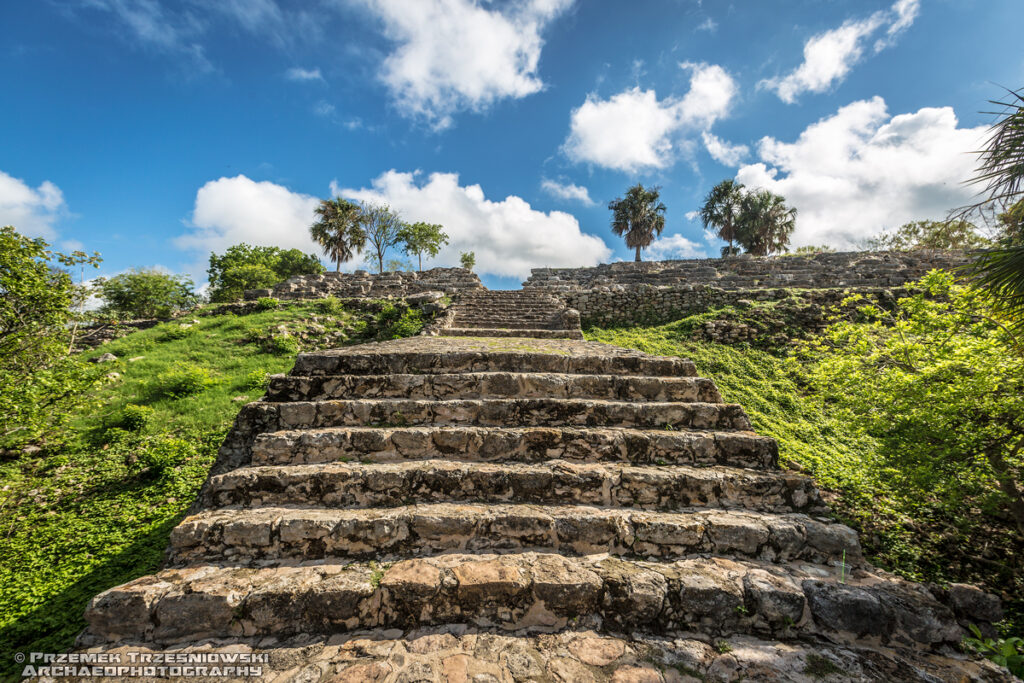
{"type": "Point", "coordinates": [1000, 271]}
{"type": "Point", "coordinates": [639, 217]}
{"type": "Point", "coordinates": [764, 223]}
{"type": "Point", "coordinates": [721, 209]}
{"type": "Point", "coordinates": [339, 229]}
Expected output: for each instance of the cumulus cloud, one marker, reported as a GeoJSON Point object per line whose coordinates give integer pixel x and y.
{"type": "Point", "coordinates": [829, 56]}
{"type": "Point", "coordinates": [634, 130]}
{"type": "Point", "coordinates": [724, 152]}
{"type": "Point", "coordinates": [452, 55]}
{"type": "Point", "coordinates": [32, 211]}
{"type": "Point", "coordinates": [862, 171]}
{"type": "Point", "coordinates": [673, 247]}
{"type": "Point", "coordinates": [508, 236]}
{"type": "Point", "coordinates": [232, 210]}
{"type": "Point", "coordinates": [299, 74]}
{"type": "Point", "coordinates": [567, 191]}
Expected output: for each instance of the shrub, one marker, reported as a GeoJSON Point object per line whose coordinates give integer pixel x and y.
{"type": "Point", "coordinates": [180, 380]}
{"type": "Point", "coordinates": [161, 454]}
{"type": "Point", "coordinates": [330, 306]}
{"type": "Point", "coordinates": [177, 333]}
{"type": "Point", "coordinates": [267, 303]}
{"type": "Point", "coordinates": [145, 293]}
{"type": "Point", "coordinates": [134, 418]}
{"type": "Point", "coordinates": [257, 380]}
{"type": "Point", "coordinates": [282, 345]}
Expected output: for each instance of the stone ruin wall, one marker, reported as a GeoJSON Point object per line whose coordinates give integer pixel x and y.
{"type": "Point", "coordinates": [660, 291]}
{"type": "Point", "coordinates": [360, 284]}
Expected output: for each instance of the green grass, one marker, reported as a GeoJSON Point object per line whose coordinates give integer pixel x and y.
{"type": "Point", "coordinates": [98, 512]}
{"type": "Point", "coordinates": [901, 530]}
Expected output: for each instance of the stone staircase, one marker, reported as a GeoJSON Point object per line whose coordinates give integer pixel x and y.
{"type": "Point", "coordinates": [512, 313]}
{"type": "Point", "coordinates": [522, 509]}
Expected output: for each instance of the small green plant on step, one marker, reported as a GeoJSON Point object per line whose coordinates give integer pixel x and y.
{"type": "Point", "coordinates": [267, 303]}
{"type": "Point", "coordinates": [1008, 652]}
{"type": "Point", "coordinates": [817, 666]}
{"type": "Point", "coordinates": [722, 647]}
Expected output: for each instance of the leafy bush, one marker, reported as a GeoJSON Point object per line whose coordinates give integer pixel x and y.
{"type": "Point", "coordinates": [134, 417]}
{"type": "Point", "coordinates": [1008, 652]}
{"type": "Point", "coordinates": [180, 380]}
{"type": "Point", "coordinates": [266, 303]}
{"type": "Point", "coordinates": [243, 267]}
{"type": "Point", "coordinates": [161, 454]}
{"type": "Point", "coordinates": [282, 344]}
{"type": "Point", "coordinates": [330, 306]}
{"type": "Point", "coordinates": [257, 380]}
{"type": "Point", "coordinates": [41, 384]}
{"type": "Point", "coordinates": [145, 293]}
{"type": "Point", "coordinates": [177, 333]}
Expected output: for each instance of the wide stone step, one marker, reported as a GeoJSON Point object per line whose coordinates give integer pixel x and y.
{"type": "Point", "coordinates": [524, 591]}
{"type": "Point", "coordinates": [494, 385]}
{"type": "Point", "coordinates": [515, 444]}
{"type": "Point", "coordinates": [532, 412]}
{"type": "Point", "coordinates": [357, 485]}
{"type": "Point", "coordinates": [272, 534]}
{"type": "Point", "coordinates": [507, 324]}
{"type": "Point", "coordinates": [529, 355]}
{"type": "Point", "coordinates": [508, 332]}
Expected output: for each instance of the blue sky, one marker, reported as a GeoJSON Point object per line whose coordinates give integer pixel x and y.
{"type": "Point", "coordinates": [156, 131]}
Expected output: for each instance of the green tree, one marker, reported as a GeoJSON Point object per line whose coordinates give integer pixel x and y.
{"type": "Point", "coordinates": [467, 259]}
{"type": "Point", "coordinates": [721, 210]}
{"type": "Point", "coordinates": [765, 223]}
{"type": "Point", "coordinates": [243, 266]}
{"type": "Point", "coordinates": [145, 293]}
{"type": "Point", "coordinates": [40, 381]}
{"type": "Point", "coordinates": [952, 234]}
{"type": "Point", "coordinates": [339, 229]}
{"type": "Point", "coordinates": [639, 217]}
{"type": "Point", "coordinates": [940, 383]}
{"type": "Point", "coordinates": [423, 238]}
{"type": "Point", "coordinates": [383, 229]}
{"type": "Point", "coordinates": [999, 271]}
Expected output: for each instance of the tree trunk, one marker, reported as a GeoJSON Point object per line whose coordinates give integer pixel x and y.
{"type": "Point", "coordinates": [420, 255]}
{"type": "Point", "coordinates": [337, 268]}
{"type": "Point", "coordinates": [638, 254]}
{"type": "Point", "coordinates": [380, 262]}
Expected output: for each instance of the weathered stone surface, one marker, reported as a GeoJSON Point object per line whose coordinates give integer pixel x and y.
{"type": "Point", "coordinates": [428, 528]}
{"type": "Point", "coordinates": [357, 485]}
{"type": "Point", "coordinates": [575, 655]}
{"type": "Point", "coordinates": [504, 444]}
{"type": "Point", "coordinates": [379, 520]}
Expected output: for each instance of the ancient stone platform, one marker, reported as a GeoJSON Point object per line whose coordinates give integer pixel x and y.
{"type": "Point", "coordinates": [512, 313]}
{"type": "Point", "coordinates": [523, 509]}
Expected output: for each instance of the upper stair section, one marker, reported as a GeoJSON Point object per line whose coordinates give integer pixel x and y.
{"type": "Point", "coordinates": [513, 313]}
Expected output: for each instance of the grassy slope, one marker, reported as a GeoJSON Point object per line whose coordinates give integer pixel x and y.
{"type": "Point", "coordinates": [898, 530]}
{"type": "Point", "coordinates": [90, 516]}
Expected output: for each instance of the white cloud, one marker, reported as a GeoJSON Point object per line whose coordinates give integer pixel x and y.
{"type": "Point", "coordinates": [829, 56]}
{"type": "Point", "coordinates": [708, 25]}
{"type": "Point", "coordinates": [567, 191]}
{"type": "Point", "coordinates": [32, 211]}
{"type": "Point", "coordinates": [299, 74]}
{"type": "Point", "coordinates": [860, 171]}
{"type": "Point", "coordinates": [634, 130]}
{"type": "Point", "coordinates": [673, 247]}
{"type": "Point", "coordinates": [508, 236]}
{"type": "Point", "coordinates": [232, 210]}
{"type": "Point", "coordinates": [151, 26]}
{"type": "Point", "coordinates": [458, 54]}
{"type": "Point", "coordinates": [724, 152]}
